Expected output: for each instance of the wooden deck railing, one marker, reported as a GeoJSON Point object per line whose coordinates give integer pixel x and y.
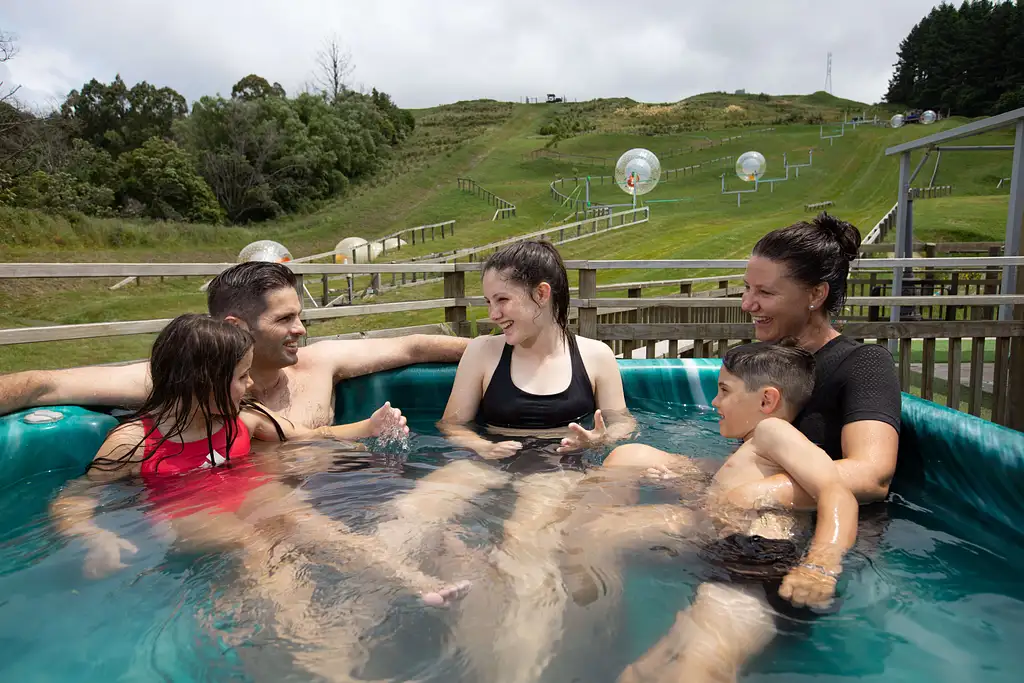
{"type": "Point", "coordinates": [967, 360]}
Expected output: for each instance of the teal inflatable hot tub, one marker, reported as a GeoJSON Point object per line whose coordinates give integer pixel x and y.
{"type": "Point", "coordinates": [923, 603]}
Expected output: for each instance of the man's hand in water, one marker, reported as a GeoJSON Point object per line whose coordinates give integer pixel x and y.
{"type": "Point", "coordinates": [809, 586]}
{"type": "Point", "coordinates": [388, 420]}
{"type": "Point", "coordinates": [585, 438]}
{"type": "Point", "coordinates": [104, 554]}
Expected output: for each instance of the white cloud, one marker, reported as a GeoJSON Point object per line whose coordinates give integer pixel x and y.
{"type": "Point", "coordinates": [427, 52]}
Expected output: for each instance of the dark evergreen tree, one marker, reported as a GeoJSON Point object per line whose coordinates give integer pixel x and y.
{"type": "Point", "coordinates": [967, 60]}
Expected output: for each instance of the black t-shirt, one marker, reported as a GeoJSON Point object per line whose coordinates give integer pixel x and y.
{"type": "Point", "coordinates": [852, 382]}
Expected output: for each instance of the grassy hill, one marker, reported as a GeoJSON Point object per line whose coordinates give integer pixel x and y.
{"type": "Point", "coordinates": [489, 142]}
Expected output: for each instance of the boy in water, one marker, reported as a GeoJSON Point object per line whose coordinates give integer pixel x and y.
{"type": "Point", "coordinates": [755, 537]}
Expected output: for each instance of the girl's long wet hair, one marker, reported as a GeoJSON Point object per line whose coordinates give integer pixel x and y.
{"type": "Point", "coordinates": [531, 262]}
{"type": "Point", "coordinates": [193, 361]}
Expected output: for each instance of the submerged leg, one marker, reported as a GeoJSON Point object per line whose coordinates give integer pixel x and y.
{"type": "Point", "coordinates": [336, 543]}
{"type": "Point", "coordinates": [642, 457]}
{"type": "Point", "coordinates": [710, 641]}
{"type": "Point", "coordinates": [435, 500]}
{"type": "Point", "coordinates": [608, 520]}
{"type": "Point", "coordinates": [275, 572]}
{"type": "Point", "coordinates": [511, 638]}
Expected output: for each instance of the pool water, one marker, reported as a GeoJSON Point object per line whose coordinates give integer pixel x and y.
{"type": "Point", "coordinates": [925, 596]}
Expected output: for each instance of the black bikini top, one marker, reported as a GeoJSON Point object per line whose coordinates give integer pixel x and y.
{"type": "Point", "coordinates": [506, 405]}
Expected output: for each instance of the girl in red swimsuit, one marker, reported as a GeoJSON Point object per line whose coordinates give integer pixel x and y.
{"type": "Point", "coordinates": [189, 443]}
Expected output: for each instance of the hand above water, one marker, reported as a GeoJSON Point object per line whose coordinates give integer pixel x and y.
{"type": "Point", "coordinates": [585, 438]}
{"type": "Point", "coordinates": [388, 420]}
{"type": "Point", "coordinates": [104, 554]}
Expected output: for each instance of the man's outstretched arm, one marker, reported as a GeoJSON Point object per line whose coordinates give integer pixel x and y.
{"type": "Point", "coordinates": [125, 385]}
{"type": "Point", "coordinates": [352, 358]}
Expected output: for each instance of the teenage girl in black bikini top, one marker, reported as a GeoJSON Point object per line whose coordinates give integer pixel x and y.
{"type": "Point", "coordinates": [504, 405]}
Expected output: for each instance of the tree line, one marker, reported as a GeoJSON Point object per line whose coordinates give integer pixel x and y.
{"type": "Point", "coordinates": [967, 60]}
{"type": "Point", "coordinates": [115, 150]}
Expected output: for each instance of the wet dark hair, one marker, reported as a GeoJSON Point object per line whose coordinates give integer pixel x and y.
{"type": "Point", "coordinates": [782, 364]}
{"type": "Point", "coordinates": [815, 252]}
{"type": "Point", "coordinates": [194, 357]}
{"type": "Point", "coordinates": [241, 290]}
{"type": "Point", "coordinates": [530, 263]}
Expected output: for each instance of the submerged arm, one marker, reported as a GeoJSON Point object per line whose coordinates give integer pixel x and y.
{"type": "Point", "coordinates": [813, 582]}
{"type": "Point", "coordinates": [73, 511]}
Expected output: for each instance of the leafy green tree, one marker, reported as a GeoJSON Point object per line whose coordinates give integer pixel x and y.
{"type": "Point", "coordinates": [161, 177]}
{"type": "Point", "coordinates": [61, 193]}
{"type": "Point", "coordinates": [119, 119]}
{"type": "Point", "coordinates": [969, 60]}
{"type": "Point", "coordinates": [254, 87]}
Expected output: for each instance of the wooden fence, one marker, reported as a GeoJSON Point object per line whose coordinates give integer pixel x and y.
{"type": "Point", "coordinates": [596, 221]}
{"type": "Point", "coordinates": [970, 362]}
{"type": "Point", "coordinates": [437, 230]}
{"type": "Point", "coordinates": [881, 230]}
{"type": "Point", "coordinates": [505, 207]}
{"type": "Point", "coordinates": [931, 192]}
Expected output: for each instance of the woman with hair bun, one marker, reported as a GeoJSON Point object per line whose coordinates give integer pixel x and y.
{"type": "Point", "coordinates": [795, 284]}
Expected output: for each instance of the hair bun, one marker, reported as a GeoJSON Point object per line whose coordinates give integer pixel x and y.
{"type": "Point", "coordinates": [788, 341]}
{"type": "Point", "coordinates": [846, 236]}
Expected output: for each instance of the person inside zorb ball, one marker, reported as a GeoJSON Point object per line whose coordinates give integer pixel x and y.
{"type": "Point", "coordinates": [637, 171]}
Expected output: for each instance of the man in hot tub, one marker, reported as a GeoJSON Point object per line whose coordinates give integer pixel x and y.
{"type": "Point", "coordinates": [295, 381]}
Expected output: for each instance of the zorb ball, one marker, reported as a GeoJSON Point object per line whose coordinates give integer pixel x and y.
{"type": "Point", "coordinates": [265, 250]}
{"type": "Point", "coordinates": [637, 171]}
{"type": "Point", "coordinates": [345, 247]}
{"type": "Point", "coordinates": [928, 117]}
{"type": "Point", "coordinates": [750, 166]}
{"type": "Point", "coordinates": [896, 121]}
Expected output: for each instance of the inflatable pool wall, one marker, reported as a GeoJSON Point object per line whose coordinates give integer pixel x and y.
{"type": "Point", "coordinates": [970, 464]}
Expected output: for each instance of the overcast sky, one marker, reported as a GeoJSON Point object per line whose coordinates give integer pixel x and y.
{"type": "Point", "coordinates": [428, 52]}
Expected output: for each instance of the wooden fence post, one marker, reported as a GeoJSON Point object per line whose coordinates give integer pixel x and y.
{"type": "Point", "coordinates": [588, 314]}
{"type": "Point", "coordinates": [992, 274]}
{"type": "Point", "coordinates": [300, 290]}
{"type": "Point", "coordinates": [1015, 380]}
{"type": "Point", "coordinates": [455, 288]}
{"type": "Point", "coordinates": [632, 318]}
